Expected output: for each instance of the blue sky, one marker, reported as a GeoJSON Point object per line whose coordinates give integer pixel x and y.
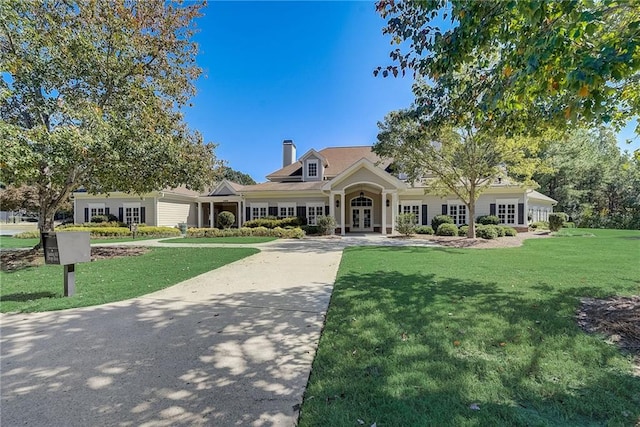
{"type": "Point", "coordinates": [293, 70]}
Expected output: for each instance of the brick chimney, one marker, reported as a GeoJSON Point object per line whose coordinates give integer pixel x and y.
{"type": "Point", "coordinates": [288, 152]}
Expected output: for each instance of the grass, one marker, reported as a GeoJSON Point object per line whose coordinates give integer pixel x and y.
{"type": "Point", "coordinates": [423, 336]}
{"type": "Point", "coordinates": [40, 288]}
{"type": "Point", "coordinates": [232, 240]}
{"type": "Point", "coordinates": [9, 242]}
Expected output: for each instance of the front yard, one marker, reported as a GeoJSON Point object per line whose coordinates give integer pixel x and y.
{"type": "Point", "coordinates": [445, 336]}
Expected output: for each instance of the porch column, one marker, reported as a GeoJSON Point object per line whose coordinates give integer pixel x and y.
{"type": "Point", "coordinates": [332, 204]}
{"type": "Point", "coordinates": [210, 214]}
{"type": "Point", "coordinates": [342, 215]}
{"type": "Point", "coordinates": [384, 213]}
{"type": "Point", "coordinates": [241, 213]}
{"type": "Point", "coordinates": [394, 211]}
{"type": "Point", "coordinates": [238, 214]}
{"type": "Point", "coordinates": [199, 214]}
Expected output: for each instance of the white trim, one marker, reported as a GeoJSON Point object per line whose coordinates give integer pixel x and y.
{"type": "Point", "coordinates": [258, 206]}
{"type": "Point", "coordinates": [507, 201]}
{"type": "Point", "coordinates": [360, 214]}
{"type": "Point", "coordinates": [369, 165]}
{"type": "Point", "coordinates": [314, 205]}
{"type": "Point", "coordinates": [309, 162]}
{"type": "Point", "coordinates": [287, 205]}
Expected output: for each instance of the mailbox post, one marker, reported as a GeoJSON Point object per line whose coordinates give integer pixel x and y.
{"type": "Point", "coordinates": [67, 249]}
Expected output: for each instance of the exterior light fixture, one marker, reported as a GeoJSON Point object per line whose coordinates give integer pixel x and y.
{"type": "Point", "coordinates": [337, 203]}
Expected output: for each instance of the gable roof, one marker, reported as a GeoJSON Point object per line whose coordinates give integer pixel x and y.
{"type": "Point", "coordinates": [339, 159]}
{"type": "Point", "coordinates": [226, 188]}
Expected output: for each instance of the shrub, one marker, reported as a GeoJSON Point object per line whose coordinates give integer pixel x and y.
{"type": "Point", "coordinates": [487, 232]}
{"type": "Point", "coordinates": [148, 231]}
{"type": "Point", "coordinates": [96, 219]}
{"type": "Point", "coordinates": [285, 233]}
{"type": "Point", "coordinates": [272, 222]}
{"type": "Point", "coordinates": [488, 220]}
{"type": "Point", "coordinates": [556, 220]}
{"type": "Point", "coordinates": [424, 229]}
{"type": "Point", "coordinates": [311, 229]}
{"type": "Point", "coordinates": [28, 235]}
{"type": "Point", "coordinates": [509, 231]}
{"type": "Point", "coordinates": [440, 219]}
{"type": "Point", "coordinates": [225, 219]}
{"type": "Point", "coordinates": [447, 229]}
{"type": "Point", "coordinates": [103, 232]}
{"type": "Point", "coordinates": [406, 224]}
{"type": "Point", "coordinates": [326, 224]}
{"type": "Point", "coordinates": [463, 230]}
{"type": "Point", "coordinates": [569, 225]}
{"type": "Point", "coordinates": [539, 225]}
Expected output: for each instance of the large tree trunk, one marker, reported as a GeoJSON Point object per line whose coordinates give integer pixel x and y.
{"type": "Point", "coordinates": [471, 233]}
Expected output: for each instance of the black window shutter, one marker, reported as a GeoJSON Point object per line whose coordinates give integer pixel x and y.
{"type": "Point", "coordinates": [520, 213]}
{"type": "Point", "coordinates": [399, 208]}
{"type": "Point", "coordinates": [106, 211]}
{"type": "Point", "coordinates": [86, 214]}
{"type": "Point", "coordinates": [492, 209]}
{"type": "Point", "coordinates": [301, 211]}
{"type": "Point", "coordinates": [247, 212]}
{"type": "Point", "coordinates": [425, 215]}
{"type": "Point", "coordinates": [444, 209]}
{"type": "Point", "coordinates": [273, 211]}
{"type": "Point", "coordinates": [326, 210]}
{"type": "Point", "coordinates": [120, 214]}
{"type": "Point", "coordinates": [142, 217]}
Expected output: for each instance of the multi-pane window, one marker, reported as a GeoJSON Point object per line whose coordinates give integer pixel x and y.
{"type": "Point", "coordinates": [132, 215]}
{"type": "Point", "coordinates": [94, 210]}
{"type": "Point", "coordinates": [286, 210]}
{"type": "Point", "coordinates": [313, 212]}
{"type": "Point", "coordinates": [361, 201]}
{"type": "Point", "coordinates": [458, 213]}
{"type": "Point", "coordinates": [312, 169]}
{"type": "Point", "coordinates": [507, 213]}
{"type": "Point", "coordinates": [413, 209]}
{"type": "Point", "coordinates": [259, 211]}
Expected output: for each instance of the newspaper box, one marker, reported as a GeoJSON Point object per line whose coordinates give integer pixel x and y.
{"type": "Point", "coordinates": [67, 249]}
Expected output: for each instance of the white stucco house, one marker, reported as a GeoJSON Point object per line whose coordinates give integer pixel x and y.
{"type": "Point", "coordinates": [349, 183]}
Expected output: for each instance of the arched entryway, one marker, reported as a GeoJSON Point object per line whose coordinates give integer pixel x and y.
{"type": "Point", "coordinates": [361, 213]}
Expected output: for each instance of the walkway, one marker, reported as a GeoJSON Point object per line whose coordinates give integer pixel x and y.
{"type": "Point", "coordinates": [233, 346]}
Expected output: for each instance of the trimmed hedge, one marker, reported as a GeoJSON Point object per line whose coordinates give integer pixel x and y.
{"type": "Point", "coordinates": [447, 229]}
{"type": "Point", "coordinates": [272, 222]}
{"type": "Point", "coordinates": [226, 219]}
{"type": "Point", "coordinates": [509, 231]}
{"type": "Point", "coordinates": [487, 232]}
{"type": "Point", "coordinates": [311, 229]}
{"type": "Point", "coordinates": [148, 231]}
{"type": "Point", "coordinates": [326, 224]}
{"type": "Point", "coordinates": [283, 233]}
{"type": "Point", "coordinates": [424, 229]}
{"type": "Point", "coordinates": [94, 225]}
{"type": "Point", "coordinates": [440, 219]}
{"type": "Point", "coordinates": [463, 230]}
{"type": "Point", "coordinates": [102, 232]}
{"type": "Point", "coordinates": [539, 225]}
{"type": "Point", "coordinates": [27, 235]}
{"type": "Point", "coordinates": [488, 220]}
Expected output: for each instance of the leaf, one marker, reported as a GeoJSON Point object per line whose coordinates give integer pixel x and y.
{"type": "Point", "coordinates": [361, 422]}
{"type": "Point", "coordinates": [474, 407]}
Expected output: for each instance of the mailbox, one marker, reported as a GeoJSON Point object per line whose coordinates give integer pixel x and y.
{"type": "Point", "coordinates": [67, 249]}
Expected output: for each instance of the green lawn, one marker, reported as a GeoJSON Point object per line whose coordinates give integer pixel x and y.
{"type": "Point", "coordinates": [233, 240]}
{"type": "Point", "coordinates": [12, 242]}
{"type": "Point", "coordinates": [102, 281]}
{"type": "Point", "coordinates": [425, 336]}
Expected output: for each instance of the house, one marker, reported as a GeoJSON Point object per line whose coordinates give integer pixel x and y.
{"type": "Point", "coordinates": [349, 183]}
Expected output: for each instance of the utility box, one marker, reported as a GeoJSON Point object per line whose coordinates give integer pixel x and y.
{"type": "Point", "coordinates": [67, 249]}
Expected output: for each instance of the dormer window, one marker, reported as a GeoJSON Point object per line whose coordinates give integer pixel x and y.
{"type": "Point", "coordinates": [313, 169]}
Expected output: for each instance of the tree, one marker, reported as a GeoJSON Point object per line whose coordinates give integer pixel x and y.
{"type": "Point", "coordinates": [237, 176]}
{"type": "Point", "coordinates": [593, 182]}
{"type": "Point", "coordinates": [15, 198]}
{"type": "Point", "coordinates": [460, 161]}
{"type": "Point", "coordinates": [568, 61]}
{"type": "Point", "coordinates": [91, 96]}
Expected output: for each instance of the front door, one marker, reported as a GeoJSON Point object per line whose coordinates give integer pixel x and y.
{"type": "Point", "coordinates": [361, 214]}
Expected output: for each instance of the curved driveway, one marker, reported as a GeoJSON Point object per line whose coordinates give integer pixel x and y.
{"type": "Point", "coordinates": [230, 347]}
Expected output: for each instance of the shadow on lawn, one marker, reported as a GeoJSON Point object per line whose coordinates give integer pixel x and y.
{"type": "Point", "coordinates": [21, 296]}
{"type": "Point", "coordinates": [423, 347]}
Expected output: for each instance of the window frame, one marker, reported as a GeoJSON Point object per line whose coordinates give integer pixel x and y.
{"type": "Point", "coordinates": [261, 207]}
{"type": "Point", "coordinates": [289, 207]}
{"type": "Point", "coordinates": [316, 163]}
{"type": "Point", "coordinates": [313, 218]}
{"type": "Point", "coordinates": [459, 206]}
{"type": "Point", "coordinates": [507, 214]}
{"type": "Point", "coordinates": [130, 217]}
{"type": "Point", "coordinates": [414, 207]}
{"type": "Point", "coordinates": [97, 207]}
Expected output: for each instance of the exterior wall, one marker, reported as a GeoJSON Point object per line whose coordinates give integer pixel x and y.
{"type": "Point", "coordinates": [376, 208]}
{"type": "Point", "coordinates": [305, 167]}
{"type": "Point", "coordinates": [114, 204]}
{"type": "Point", "coordinates": [172, 212]}
{"type": "Point", "coordinates": [539, 210]}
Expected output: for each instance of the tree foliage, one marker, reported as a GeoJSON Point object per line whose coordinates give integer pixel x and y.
{"type": "Point", "coordinates": [593, 182]}
{"type": "Point", "coordinates": [236, 176]}
{"type": "Point", "coordinates": [91, 95]}
{"type": "Point", "coordinates": [16, 198]}
{"type": "Point", "coordinates": [570, 61]}
{"type": "Point", "coordinates": [460, 161]}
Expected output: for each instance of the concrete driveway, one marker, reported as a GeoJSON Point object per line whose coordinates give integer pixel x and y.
{"type": "Point", "coordinates": [233, 346]}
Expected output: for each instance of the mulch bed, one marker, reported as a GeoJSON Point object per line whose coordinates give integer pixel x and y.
{"type": "Point", "coordinates": [616, 318]}
{"type": "Point", "coordinates": [12, 260]}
